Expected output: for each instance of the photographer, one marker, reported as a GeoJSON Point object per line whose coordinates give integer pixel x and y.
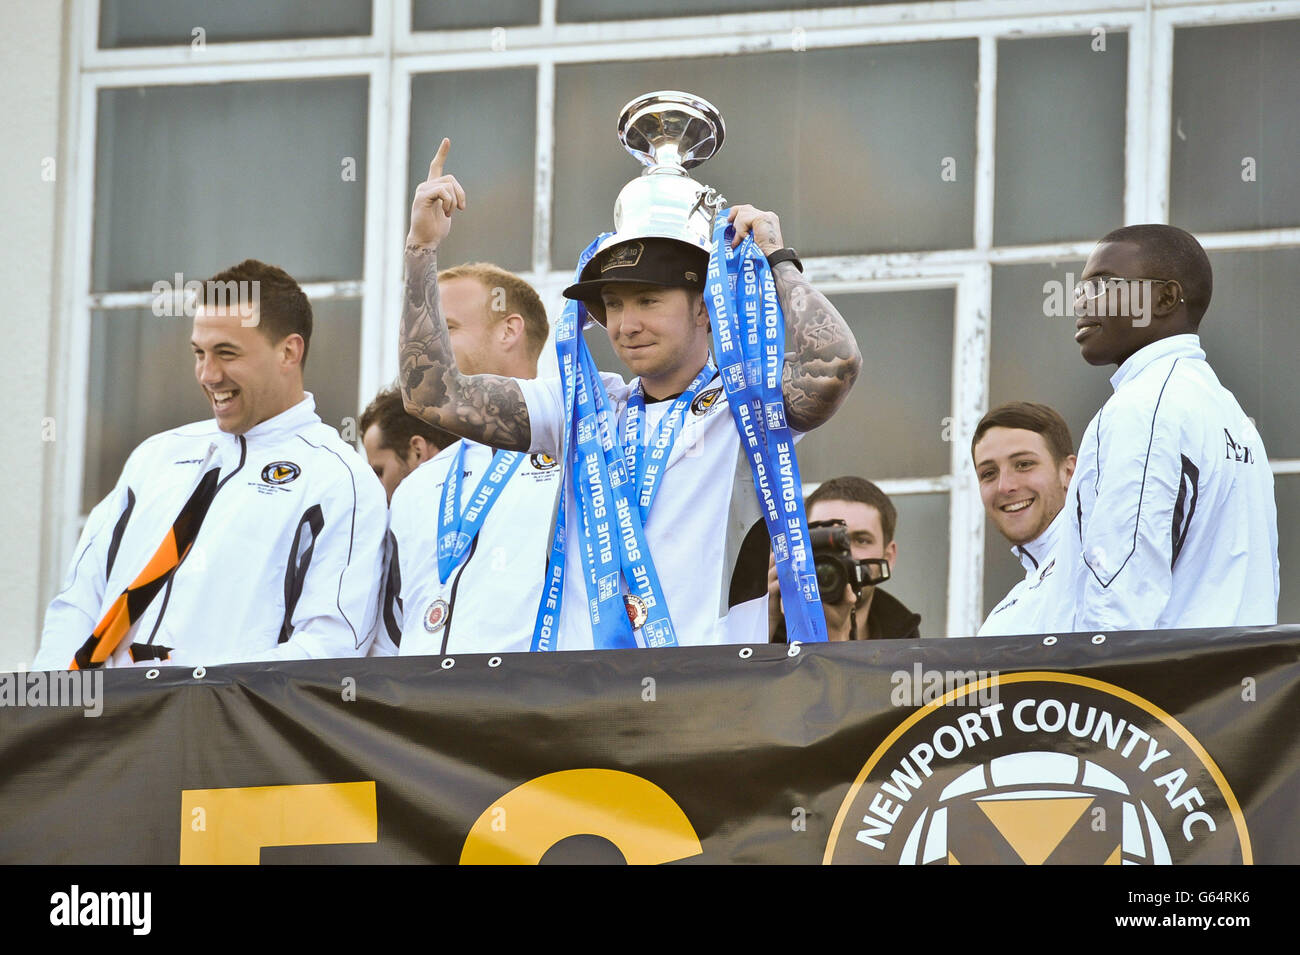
{"type": "Point", "coordinates": [859, 611]}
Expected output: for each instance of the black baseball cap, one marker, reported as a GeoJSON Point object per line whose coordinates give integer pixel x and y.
{"type": "Point", "coordinates": [651, 261]}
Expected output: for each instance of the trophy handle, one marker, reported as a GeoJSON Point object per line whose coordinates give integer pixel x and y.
{"type": "Point", "coordinates": [710, 201]}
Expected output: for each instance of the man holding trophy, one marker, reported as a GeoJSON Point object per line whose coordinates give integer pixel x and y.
{"type": "Point", "coordinates": [662, 484]}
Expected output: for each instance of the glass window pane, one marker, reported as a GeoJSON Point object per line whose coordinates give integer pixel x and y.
{"type": "Point", "coordinates": [1035, 77]}
{"type": "Point", "coordinates": [489, 117]}
{"type": "Point", "coordinates": [569, 11]}
{"type": "Point", "coordinates": [1236, 127]}
{"type": "Point", "coordinates": [1252, 338]}
{"type": "Point", "coordinates": [832, 143]}
{"type": "Point", "coordinates": [1033, 353]}
{"type": "Point", "coordinates": [1286, 488]}
{"type": "Point", "coordinates": [920, 574]}
{"type": "Point", "coordinates": [142, 382]}
{"type": "Point", "coordinates": [891, 425]}
{"type": "Point", "coordinates": [192, 179]}
{"type": "Point", "coordinates": [150, 23]}
{"type": "Point", "coordinates": [441, 15]}
{"type": "Point", "coordinates": [333, 369]}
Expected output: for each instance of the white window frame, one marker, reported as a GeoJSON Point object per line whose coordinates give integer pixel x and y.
{"type": "Point", "coordinates": [393, 53]}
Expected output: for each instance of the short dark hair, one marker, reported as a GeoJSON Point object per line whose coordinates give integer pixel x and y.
{"type": "Point", "coordinates": [859, 491]}
{"type": "Point", "coordinates": [1028, 416]}
{"type": "Point", "coordinates": [397, 426]}
{"type": "Point", "coordinates": [519, 298]}
{"type": "Point", "coordinates": [282, 305]}
{"type": "Point", "coordinates": [1170, 253]}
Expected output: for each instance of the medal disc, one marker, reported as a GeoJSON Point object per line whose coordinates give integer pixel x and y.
{"type": "Point", "coordinates": [435, 616]}
{"type": "Point", "coordinates": [636, 610]}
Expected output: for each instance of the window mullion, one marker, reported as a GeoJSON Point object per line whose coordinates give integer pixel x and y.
{"type": "Point", "coordinates": [970, 388]}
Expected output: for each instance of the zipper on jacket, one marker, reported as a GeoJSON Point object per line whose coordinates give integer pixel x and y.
{"type": "Point", "coordinates": [451, 601]}
{"type": "Point", "coordinates": [243, 453]}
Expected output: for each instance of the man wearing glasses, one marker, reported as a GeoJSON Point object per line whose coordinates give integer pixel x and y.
{"type": "Point", "coordinates": [1171, 503]}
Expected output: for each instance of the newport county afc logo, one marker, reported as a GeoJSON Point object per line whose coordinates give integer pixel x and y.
{"type": "Point", "coordinates": [280, 472]}
{"type": "Point", "coordinates": [705, 400]}
{"type": "Point", "coordinates": [542, 462]}
{"type": "Point", "coordinates": [1061, 769]}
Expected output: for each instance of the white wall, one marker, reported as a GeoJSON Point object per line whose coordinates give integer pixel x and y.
{"type": "Point", "coordinates": [32, 49]}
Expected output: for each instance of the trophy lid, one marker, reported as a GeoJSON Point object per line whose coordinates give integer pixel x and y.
{"type": "Point", "coordinates": [671, 131]}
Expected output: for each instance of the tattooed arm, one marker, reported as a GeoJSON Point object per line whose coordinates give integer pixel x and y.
{"type": "Point", "coordinates": [489, 409]}
{"type": "Point", "coordinates": [818, 375]}
{"type": "Point", "coordinates": [825, 362]}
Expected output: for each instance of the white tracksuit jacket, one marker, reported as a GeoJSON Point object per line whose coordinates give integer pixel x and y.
{"type": "Point", "coordinates": [1173, 520]}
{"type": "Point", "coordinates": [698, 523]}
{"type": "Point", "coordinates": [1044, 601]}
{"type": "Point", "coordinates": [489, 602]}
{"type": "Point", "coordinates": [286, 564]}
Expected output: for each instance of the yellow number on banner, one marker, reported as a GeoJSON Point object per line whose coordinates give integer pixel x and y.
{"type": "Point", "coordinates": [238, 822]}
{"type": "Point", "coordinates": [642, 820]}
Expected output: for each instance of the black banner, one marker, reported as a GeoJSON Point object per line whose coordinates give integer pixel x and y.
{"type": "Point", "coordinates": [1165, 747]}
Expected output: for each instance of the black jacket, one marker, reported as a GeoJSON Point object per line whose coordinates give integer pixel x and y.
{"type": "Point", "coordinates": [888, 619]}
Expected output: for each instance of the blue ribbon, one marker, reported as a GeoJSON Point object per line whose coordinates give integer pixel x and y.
{"type": "Point", "coordinates": [750, 356]}
{"type": "Point", "coordinates": [456, 528]}
{"type": "Point", "coordinates": [568, 346]}
{"type": "Point", "coordinates": [646, 467]}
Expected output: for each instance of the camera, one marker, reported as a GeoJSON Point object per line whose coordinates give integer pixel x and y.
{"type": "Point", "coordinates": [833, 560]}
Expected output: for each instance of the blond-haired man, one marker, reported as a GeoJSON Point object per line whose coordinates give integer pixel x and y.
{"type": "Point", "coordinates": [466, 562]}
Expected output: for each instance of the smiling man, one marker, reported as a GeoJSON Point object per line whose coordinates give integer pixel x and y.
{"type": "Point", "coordinates": [1024, 460]}
{"type": "Point", "coordinates": [1171, 506]}
{"type": "Point", "coordinates": [256, 535]}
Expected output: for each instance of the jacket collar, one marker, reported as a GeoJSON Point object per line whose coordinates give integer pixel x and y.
{"type": "Point", "coordinates": [1175, 346]}
{"type": "Point", "coordinates": [289, 421]}
{"type": "Point", "coordinates": [1032, 553]}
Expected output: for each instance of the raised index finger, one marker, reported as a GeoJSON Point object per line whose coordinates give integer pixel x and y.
{"type": "Point", "coordinates": [435, 167]}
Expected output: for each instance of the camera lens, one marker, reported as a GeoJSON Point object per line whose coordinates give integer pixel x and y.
{"type": "Point", "coordinates": [830, 580]}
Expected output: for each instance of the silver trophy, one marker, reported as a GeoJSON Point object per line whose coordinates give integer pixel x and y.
{"type": "Point", "coordinates": [669, 132]}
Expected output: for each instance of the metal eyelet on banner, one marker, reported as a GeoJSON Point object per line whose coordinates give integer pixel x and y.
{"type": "Point", "coordinates": [1049, 641]}
{"type": "Point", "coordinates": [746, 652]}
{"type": "Point", "coordinates": [200, 673]}
{"type": "Point", "coordinates": [448, 663]}
{"type": "Point", "coordinates": [793, 649]}
{"type": "Point", "coordinates": [1099, 638]}
{"type": "Point", "coordinates": [494, 662]}
{"type": "Point", "coordinates": [151, 674]}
